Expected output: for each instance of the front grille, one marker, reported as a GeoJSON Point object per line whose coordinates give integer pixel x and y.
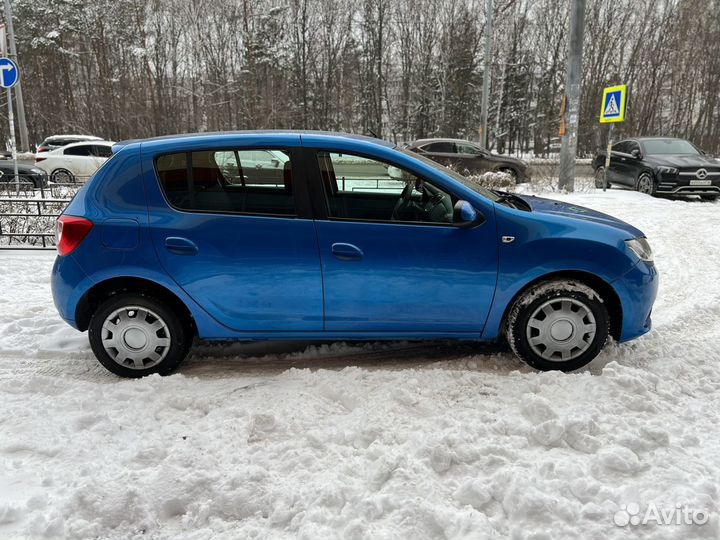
{"type": "Point", "coordinates": [692, 172]}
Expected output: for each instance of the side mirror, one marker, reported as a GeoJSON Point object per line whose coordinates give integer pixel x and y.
{"type": "Point", "coordinates": [465, 215]}
{"type": "Point", "coordinates": [636, 154]}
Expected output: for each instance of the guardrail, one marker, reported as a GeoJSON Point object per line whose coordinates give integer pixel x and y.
{"type": "Point", "coordinates": [28, 222]}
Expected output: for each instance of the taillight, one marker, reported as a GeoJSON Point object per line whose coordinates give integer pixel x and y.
{"type": "Point", "coordinates": [43, 149]}
{"type": "Point", "coordinates": [70, 231]}
{"type": "Point", "coordinates": [38, 158]}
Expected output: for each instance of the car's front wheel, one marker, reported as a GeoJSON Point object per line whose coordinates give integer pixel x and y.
{"type": "Point", "coordinates": [134, 335]}
{"type": "Point", "coordinates": [645, 184]}
{"type": "Point", "coordinates": [558, 325]}
{"type": "Point", "coordinates": [600, 177]}
{"type": "Point", "coordinates": [512, 173]}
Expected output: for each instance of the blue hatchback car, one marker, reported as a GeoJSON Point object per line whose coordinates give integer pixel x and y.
{"type": "Point", "coordinates": [325, 236]}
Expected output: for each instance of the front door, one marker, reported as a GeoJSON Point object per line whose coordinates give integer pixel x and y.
{"type": "Point", "coordinates": [243, 249]}
{"type": "Point", "coordinates": [392, 260]}
{"type": "Point", "coordinates": [617, 173]}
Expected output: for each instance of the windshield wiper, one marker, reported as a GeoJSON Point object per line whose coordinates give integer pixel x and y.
{"type": "Point", "coordinates": [506, 197]}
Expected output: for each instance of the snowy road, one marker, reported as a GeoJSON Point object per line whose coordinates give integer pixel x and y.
{"type": "Point", "coordinates": [371, 442]}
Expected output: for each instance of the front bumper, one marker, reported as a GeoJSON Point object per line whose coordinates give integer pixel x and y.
{"type": "Point", "coordinates": [688, 185]}
{"type": "Point", "coordinates": [637, 290]}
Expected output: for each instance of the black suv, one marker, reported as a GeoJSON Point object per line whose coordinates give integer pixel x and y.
{"type": "Point", "coordinates": [660, 166]}
{"type": "Point", "coordinates": [468, 158]}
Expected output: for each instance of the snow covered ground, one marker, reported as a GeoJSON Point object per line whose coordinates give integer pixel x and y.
{"type": "Point", "coordinates": [379, 441]}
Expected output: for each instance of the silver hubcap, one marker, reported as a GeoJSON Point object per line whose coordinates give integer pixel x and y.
{"type": "Point", "coordinates": [63, 177]}
{"type": "Point", "coordinates": [561, 329]}
{"type": "Point", "coordinates": [136, 337]}
{"type": "Point", "coordinates": [645, 184]}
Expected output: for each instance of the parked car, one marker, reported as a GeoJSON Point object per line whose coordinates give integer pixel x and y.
{"type": "Point", "coordinates": [263, 166]}
{"type": "Point", "coordinates": [29, 175]}
{"type": "Point", "coordinates": [162, 246]}
{"type": "Point", "coordinates": [660, 166]}
{"type": "Point", "coordinates": [74, 162]}
{"type": "Point", "coordinates": [58, 141]}
{"type": "Point", "coordinates": [469, 158]}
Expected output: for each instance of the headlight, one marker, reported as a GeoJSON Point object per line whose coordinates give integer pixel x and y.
{"type": "Point", "coordinates": [641, 248]}
{"type": "Point", "coordinates": [667, 170]}
{"type": "Point", "coordinates": [36, 170]}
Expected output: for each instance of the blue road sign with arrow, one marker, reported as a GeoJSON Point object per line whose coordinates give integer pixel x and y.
{"type": "Point", "coordinates": [9, 73]}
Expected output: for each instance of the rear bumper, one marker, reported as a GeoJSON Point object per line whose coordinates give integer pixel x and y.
{"type": "Point", "coordinates": [68, 283]}
{"type": "Point", "coordinates": [637, 290]}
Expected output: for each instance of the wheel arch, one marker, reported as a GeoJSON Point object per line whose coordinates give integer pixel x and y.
{"type": "Point", "coordinates": [607, 293]}
{"type": "Point", "coordinates": [100, 292]}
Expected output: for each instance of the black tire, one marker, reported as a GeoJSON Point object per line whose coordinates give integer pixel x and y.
{"type": "Point", "coordinates": [177, 329]}
{"type": "Point", "coordinates": [599, 177]}
{"type": "Point", "coordinates": [710, 198]}
{"type": "Point", "coordinates": [63, 176]}
{"type": "Point", "coordinates": [646, 184]}
{"type": "Point", "coordinates": [512, 173]}
{"type": "Point", "coordinates": [553, 292]}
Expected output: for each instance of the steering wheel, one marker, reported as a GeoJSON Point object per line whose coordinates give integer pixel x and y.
{"type": "Point", "coordinates": [405, 205]}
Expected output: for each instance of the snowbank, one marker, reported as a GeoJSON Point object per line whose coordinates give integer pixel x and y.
{"type": "Point", "coordinates": [370, 441]}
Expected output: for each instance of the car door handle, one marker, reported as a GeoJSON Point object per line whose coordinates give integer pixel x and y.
{"type": "Point", "coordinates": [346, 252]}
{"type": "Point", "coordinates": [180, 246]}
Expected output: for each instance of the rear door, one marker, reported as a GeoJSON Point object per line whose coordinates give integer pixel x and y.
{"type": "Point", "coordinates": [242, 248]}
{"type": "Point", "coordinates": [79, 160]}
{"type": "Point", "coordinates": [392, 260]}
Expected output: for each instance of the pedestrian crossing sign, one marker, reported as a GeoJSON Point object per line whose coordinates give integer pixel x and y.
{"type": "Point", "coordinates": [613, 104]}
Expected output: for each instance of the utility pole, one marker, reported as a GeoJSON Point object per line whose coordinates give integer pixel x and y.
{"type": "Point", "coordinates": [22, 124]}
{"type": "Point", "coordinates": [572, 92]}
{"type": "Point", "coordinates": [484, 138]}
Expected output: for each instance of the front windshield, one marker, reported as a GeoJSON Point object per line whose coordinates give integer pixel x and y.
{"type": "Point", "coordinates": [669, 146]}
{"type": "Point", "coordinates": [477, 188]}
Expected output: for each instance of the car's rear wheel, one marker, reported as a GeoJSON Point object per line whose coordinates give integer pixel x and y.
{"type": "Point", "coordinates": [134, 335]}
{"type": "Point", "coordinates": [645, 184]}
{"type": "Point", "coordinates": [600, 177]}
{"type": "Point", "coordinates": [558, 325]}
{"type": "Point", "coordinates": [62, 176]}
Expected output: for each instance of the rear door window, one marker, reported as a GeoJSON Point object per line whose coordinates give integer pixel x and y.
{"type": "Point", "coordinates": [228, 181]}
{"type": "Point", "coordinates": [82, 150]}
{"type": "Point", "coordinates": [440, 147]}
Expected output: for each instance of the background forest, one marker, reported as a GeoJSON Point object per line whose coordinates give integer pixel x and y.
{"type": "Point", "coordinates": [399, 69]}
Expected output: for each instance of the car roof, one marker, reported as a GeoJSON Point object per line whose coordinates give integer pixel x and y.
{"type": "Point", "coordinates": [219, 136]}
{"type": "Point", "coordinates": [79, 138]}
{"type": "Point", "coordinates": [101, 142]}
{"type": "Point", "coordinates": [434, 140]}
{"type": "Point", "coordinates": [641, 139]}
